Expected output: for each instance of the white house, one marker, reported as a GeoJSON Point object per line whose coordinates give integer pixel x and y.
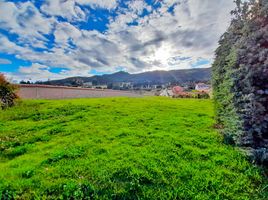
{"type": "Point", "coordinates": [202, 87]}
{"type": "Point", "coordinates": [87, 84]}
{"type": "Point", "coordinates": [166, 93]}
{"type": "Point", "coordinates": [100, 86]}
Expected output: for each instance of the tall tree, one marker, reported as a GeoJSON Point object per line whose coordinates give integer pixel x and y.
{"type": "Point", "coordinates": [240, 74]}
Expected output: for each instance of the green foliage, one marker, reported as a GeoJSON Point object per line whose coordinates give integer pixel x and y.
{"type": "Point", "coordinates": [7, 93]}
{"type": "Point", "coordinates": [226, 112]}
{"type": "Point", "coordinates": [195, 95]}
{"type": "Point", "coordinates": [120, 148]}
{"type": "Point", "coordinates": [240, 74]}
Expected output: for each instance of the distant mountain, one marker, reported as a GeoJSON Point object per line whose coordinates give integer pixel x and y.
{"type": "Point", "coordinates": [152, 77]}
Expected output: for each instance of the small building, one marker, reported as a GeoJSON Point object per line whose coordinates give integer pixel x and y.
{"type": "Point", "coordinates": [177, 90]}
{"type": "Point", "coordinates": [87, 84]}
{"type": "Point", "coordinates": [166, 93]}
{"type": "Point", "coordinates": [157, 87]}
{"type": "Point", "coordinates": [202, 87]}
{"type": "Point", "coordinates": [122, 85]}
{"type": "Point", "coordinates": [100, 86]}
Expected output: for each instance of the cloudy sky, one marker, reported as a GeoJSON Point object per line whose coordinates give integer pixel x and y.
{"type": "Point", "coordinates": [51, 39]}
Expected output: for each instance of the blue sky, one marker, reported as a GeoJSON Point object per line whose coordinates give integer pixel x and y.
{"type": "Point", "coordinates": [52, 39]}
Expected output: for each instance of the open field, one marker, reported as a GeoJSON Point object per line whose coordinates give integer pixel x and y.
{"type": "Point", "coordinates": [120, 148]}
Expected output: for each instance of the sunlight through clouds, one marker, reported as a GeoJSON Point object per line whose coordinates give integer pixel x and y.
{"type": "Point", "coordinates": [102, 35]}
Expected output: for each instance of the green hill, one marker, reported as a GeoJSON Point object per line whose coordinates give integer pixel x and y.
{"type": "Point", "coordinates": [153, 77]}
{"type": "Point", "coordinates": [120, 148]}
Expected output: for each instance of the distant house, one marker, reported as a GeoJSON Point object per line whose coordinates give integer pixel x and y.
{"type": "Point", "coordinates": [166, 93]}
{"type": "Point", "coordinates": [157, 87]}
{"type": "Point", "coordinates": [177, 90]}
{"type": "Point", "coordinates": [146, 87]}
{"type": "Point", "coordinates": [100, 86]}
{"type": "Point", "coordinates": [125, 84]}
{"type": "Point", "coordinates": [87, 84]}
{"type": "Point", "coordinates": [202, 87]}
{"type": "Point", "coordinates": [122, 85]}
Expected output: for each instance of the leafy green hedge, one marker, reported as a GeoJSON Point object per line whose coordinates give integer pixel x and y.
{"type": "Point", "coordinates": [240, 79]}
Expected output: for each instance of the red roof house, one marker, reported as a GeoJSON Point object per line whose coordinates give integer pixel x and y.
{"type": "Point", "coordinates": [177, 90]}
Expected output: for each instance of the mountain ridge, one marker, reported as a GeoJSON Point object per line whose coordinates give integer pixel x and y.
{"type": "Point", "coordinates": [150, 77]}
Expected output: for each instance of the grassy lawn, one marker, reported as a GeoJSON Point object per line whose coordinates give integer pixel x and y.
{"type": "Point", "coordinates": [120, 148]}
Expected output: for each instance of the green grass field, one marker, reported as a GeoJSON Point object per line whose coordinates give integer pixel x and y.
{"type": "Point", "coordinates": [120, 148]}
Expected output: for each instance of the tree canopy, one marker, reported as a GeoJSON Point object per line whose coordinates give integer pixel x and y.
{"type": "Point", "coordinates": [240, 79]}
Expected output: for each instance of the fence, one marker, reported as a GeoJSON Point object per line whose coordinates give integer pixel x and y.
{"type": "Point", "coordinates": [34, 91]}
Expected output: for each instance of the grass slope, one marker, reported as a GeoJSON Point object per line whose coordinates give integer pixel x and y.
{"type": "Point", "coordinates": [120, 148]}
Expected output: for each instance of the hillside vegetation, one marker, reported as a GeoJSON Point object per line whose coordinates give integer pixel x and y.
{"type": "Point", "coordinates": [120, 148]}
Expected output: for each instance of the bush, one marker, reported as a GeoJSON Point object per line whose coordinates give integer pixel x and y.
{"type": "Point", "coordinates": [194, 95]}
{"type": "Point", "coordinates": [8, 94]}
{"type": "Point", "coordinates": [202, 95]}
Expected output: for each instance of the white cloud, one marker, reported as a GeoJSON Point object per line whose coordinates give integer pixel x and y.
{"type": "Point", "coordinates": [25, 20]}
{"type": "Point", "coordinates": [106, 4]}
{"type": "Point", "coordinates": [34, 72]}
{"type": "Point", "coordinates": [39, 72]}
{"type": "Point", "coordinates": [193, 29]}
{"type": "Point", "coordinates": [64, 33]}
{"type": "Point", "coordinates": [135, 42]}
{"type": "Point", "coordinates": [5, 61]}
{"type": "Point", "coordinates": [138, 6]}
{"type": "Point", "coordinates": [66, 9]}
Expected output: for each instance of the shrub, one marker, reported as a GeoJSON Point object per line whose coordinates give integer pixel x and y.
{"type": "Point", "coordinates": [195, 95]}
{"type": "Point", "coordinates": [8, 94]}
{"type": "Point", "coordinates": [183, 95]}
{"type": "Point", "coordinates": [202, 95]}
